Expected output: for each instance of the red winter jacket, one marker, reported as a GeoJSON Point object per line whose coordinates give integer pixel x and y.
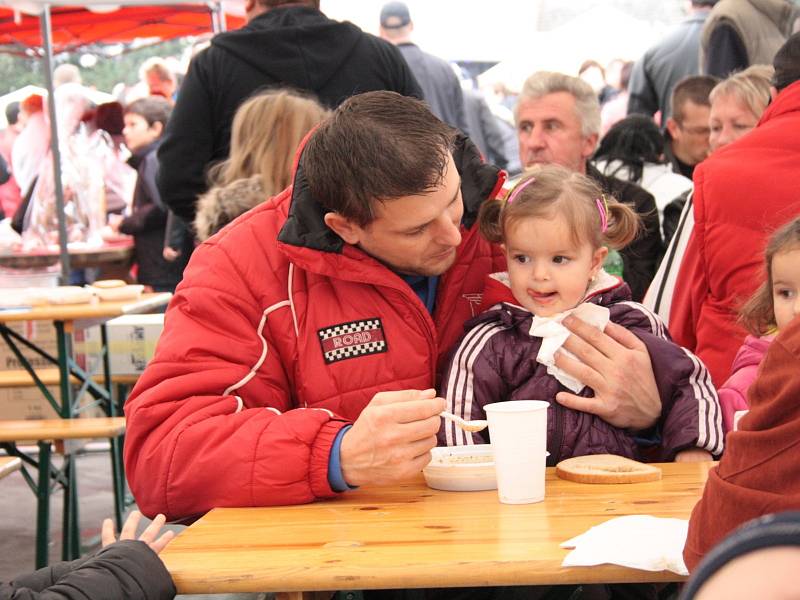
{"type": "Point", "coordinates": [742, 193]}
{"type": "Point", "coordinates": [278, 336]}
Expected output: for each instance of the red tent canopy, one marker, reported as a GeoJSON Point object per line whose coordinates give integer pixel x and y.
{"type": "Point", "coordinates": [77, 26]}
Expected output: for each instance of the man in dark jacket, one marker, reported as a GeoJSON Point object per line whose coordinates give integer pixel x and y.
{"type": "Point", "coordinates": [283, 44]}
{"type": "Point", "coordinates": [558, 121]}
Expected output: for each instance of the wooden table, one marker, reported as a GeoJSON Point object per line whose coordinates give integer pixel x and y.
{"type": "Point", "coordinates": [110, 254]}
{"type": "Point", "coordinates": [410, 536]}
{"type": "Point", "coordinates": [66, 319]}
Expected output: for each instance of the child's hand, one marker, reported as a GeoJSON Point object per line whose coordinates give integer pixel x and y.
{"type": "Point", "coordinates": [693, 455]}
{"type": "Point", "coordinates": [149, 535]}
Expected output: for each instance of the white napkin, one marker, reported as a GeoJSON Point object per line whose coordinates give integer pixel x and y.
{"type": "Point", "coordinates": [554, 334]}
{"type": "Point", "coordinates": [636, 541]}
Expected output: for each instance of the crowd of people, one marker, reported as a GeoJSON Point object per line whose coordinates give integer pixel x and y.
{"type": "Point", "coordinates": [351, 264]}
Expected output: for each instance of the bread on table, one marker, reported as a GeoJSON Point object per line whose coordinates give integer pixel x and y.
{"type": "Point", "coordinates": [606, 468]}
{"type": "Point", "coordinates": [109, 283]}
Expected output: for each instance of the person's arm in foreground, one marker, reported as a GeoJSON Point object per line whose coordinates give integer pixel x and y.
{"type": "Point", "coordinates": [128, 569]}
{"type": "Point", "coordinates": [616, 365]}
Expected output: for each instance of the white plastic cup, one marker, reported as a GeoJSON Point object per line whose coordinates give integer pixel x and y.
{"type": "Point", "coordinates": [518, 429]}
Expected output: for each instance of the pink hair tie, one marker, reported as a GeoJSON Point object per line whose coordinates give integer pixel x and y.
{"type": "Point", "coordinates": [602, 208]}
{"type": "Point", "coordinates": [517, 190]}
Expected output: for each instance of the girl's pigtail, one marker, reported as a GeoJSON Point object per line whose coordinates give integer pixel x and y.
{"type": "Point", "coordinates": [489, 217]}
{"type": "Point", "coordinates": [623, 224]}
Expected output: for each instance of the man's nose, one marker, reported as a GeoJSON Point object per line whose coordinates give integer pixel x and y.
{"type": "Point", "coordinates": [449, 232]}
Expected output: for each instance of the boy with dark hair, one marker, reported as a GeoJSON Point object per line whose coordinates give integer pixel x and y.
{"type": "Point", "coordinates": [144, 124]}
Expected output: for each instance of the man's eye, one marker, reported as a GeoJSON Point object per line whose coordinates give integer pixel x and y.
{"type": "Point", "coordinates": [415, 231]}
{"type": "Point", "coordinates": [525, 127]}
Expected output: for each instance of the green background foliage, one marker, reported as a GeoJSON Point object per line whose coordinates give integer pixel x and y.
{"type": "Point", "coordinates": [17, 72]}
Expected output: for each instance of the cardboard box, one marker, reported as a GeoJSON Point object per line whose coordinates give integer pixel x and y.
{"type": "Point", "coordinates": [27, 403]}
{"type": "Point", "coordinates": [132, 342]}
{"type": "Point", "coordinates": [41, 333]}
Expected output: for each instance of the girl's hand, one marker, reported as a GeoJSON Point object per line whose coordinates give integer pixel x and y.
{"type": "Point", "coordinates": [149, 535]}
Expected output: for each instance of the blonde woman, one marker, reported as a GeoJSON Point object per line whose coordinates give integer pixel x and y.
{"type": "Point", "coordinates": [266, 131]}
{"type": "Point", "coordinates": [737, 104]}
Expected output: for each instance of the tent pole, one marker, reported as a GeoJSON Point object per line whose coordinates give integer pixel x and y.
{"type": "Point", "coordinates": [218, 24]}
{"type": "Point", "coordinates": [47, 43]}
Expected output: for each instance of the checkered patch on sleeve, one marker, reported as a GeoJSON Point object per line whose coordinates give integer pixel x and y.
{"type": "Point", "coordinates": [351, 340]}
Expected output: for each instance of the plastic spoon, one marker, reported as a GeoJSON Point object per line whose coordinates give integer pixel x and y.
{"type": "Point", "coordinates": [474, 425]}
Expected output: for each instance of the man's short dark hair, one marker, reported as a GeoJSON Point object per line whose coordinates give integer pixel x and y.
{"type": "Point", "coordinates": [704, 2]}
{"type": "Point", "coordinates": [376, 146]}
{"type": "Point", "coordinates": [695, 88]}
{"type": "Point", "coordinates": [152, 109]}
{"type": "Point", "coordinates": [787, 63]}
{"type": "Point", "coordinates": [12, 113]}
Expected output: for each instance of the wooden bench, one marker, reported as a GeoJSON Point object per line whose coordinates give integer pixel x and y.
{"type": "Point", "coordinates": [9, 464]}
{"type": "Point", "coordinates": [55, 432]}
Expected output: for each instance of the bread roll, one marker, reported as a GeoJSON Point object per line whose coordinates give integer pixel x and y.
{"type": "Point", "coordinates": [606, 468]}
{"type": "Point", "coordinates": [109, 283]}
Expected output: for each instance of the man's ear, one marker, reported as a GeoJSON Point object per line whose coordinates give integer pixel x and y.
{"type": "Point", "coordinates": [158, 128]}
{"type": "Point", "coordinates": [589, 145]}
{"type": "Point", "coordinates": [343, 227]}
{"type": "Point", "coordinates": [672, 127]}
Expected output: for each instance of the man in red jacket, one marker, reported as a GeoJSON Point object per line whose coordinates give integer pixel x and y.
{"type": "Point", "coordinates": [300, 351]}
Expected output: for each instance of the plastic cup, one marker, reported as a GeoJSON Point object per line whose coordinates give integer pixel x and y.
{"type": "Point", "coordinates": [518, 429]}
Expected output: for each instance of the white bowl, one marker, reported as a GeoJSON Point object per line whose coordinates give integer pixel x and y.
{"type": "Point", "coordinates": [461, 468]}
{"type": "Point", "coordinates": [116, 294]}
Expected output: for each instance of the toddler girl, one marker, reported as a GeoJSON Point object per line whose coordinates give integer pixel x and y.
{"type": "Point", "coordinates": [556, 227]}
{"type": "Point", "coordinates": [769, 310]}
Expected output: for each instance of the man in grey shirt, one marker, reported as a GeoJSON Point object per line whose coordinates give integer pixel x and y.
{"type": "Point", "coordinates": [440, 86]}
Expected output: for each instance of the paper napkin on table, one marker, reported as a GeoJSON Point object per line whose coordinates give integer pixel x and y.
{"type": "Point", "coordinates": [636, 541]}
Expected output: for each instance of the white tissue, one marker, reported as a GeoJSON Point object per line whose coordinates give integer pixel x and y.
{"type": "Point", "coordinates": [554, 334]}
{"type": "Point", "coordinates": [636, 541]}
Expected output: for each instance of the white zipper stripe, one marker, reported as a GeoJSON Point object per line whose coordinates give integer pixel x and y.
{"type": "Point", "coordinates": [264, 349]}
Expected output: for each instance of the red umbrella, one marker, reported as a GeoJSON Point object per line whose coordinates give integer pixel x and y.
{"type": "Point", "coordinates": [77, 26]}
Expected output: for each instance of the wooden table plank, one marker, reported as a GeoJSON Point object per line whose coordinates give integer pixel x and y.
{"type": "Point", "coordinates": [21, 378]}
{"type": "Point", "coordinates": [61, 429]}
{"type": "Point", "coordinates": [9, 464]}
{"type": "Point", "coordinates": [408, 536]}
{"type": "Point", "coordinates": [92, 310]}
